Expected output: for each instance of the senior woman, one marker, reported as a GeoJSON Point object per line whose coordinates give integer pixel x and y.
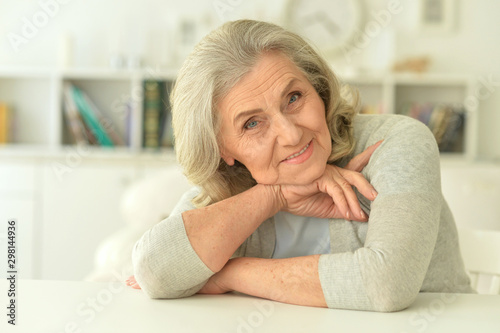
{"type": "Point", "coordinates": [272, 142]}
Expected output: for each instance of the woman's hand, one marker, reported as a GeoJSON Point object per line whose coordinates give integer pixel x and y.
{"type": "Point", "coordinates": [131, 282]}
{"type": "Point", "coordinates": [331, 195]}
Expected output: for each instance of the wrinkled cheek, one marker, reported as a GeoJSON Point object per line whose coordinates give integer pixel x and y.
{"type": "Point", "coordinates": [260, 168]}
{"type": "Point", "coordinates": [258, 157]}
{"type": "Point", "coordinates": [266, 177]}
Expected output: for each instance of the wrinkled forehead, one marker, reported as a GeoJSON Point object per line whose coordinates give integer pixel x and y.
{"type": "Point", "coordinates": [230, 77]}
{"type": "Point", "coordinates": [262, 86]}
{"type": "Point", "coordinates": [272, 71]}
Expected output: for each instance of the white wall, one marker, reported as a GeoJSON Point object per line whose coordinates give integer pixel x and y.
{"type": "Point", "coordinates": [147, 28]}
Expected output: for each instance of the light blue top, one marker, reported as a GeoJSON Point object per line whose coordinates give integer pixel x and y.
{"type": "Point", "coordinates": [298, 236]}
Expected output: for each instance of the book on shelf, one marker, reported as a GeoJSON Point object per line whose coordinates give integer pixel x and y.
{"type": "Point", "coordinates": [73, 118]}
{"type": "Point", "coordinates": [157, 119]}
{"type": "Point", "coordinates": [86, 122]}
{"type": "Point", "coordinates": [5, 123]}
{"type": "Point", "coordinates": [106, 123]}
{"type": "Point", "coordinates": [152, 113]}
{"type": "Point", "coordinates": [128, 122]}
{"type": "Point", "coordinates": [446, 122]}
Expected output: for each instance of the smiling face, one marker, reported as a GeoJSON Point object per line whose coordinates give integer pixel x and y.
{"type": "Point", "coordinates": [273, 122]}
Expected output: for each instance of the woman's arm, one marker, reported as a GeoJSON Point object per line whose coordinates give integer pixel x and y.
{"type": "Point", "coordinates": [292, 280]}
{"type": "Point", "coordinates": [216, 231]}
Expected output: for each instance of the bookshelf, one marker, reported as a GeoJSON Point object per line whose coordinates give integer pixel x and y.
{"type": "Point", "coordinates": [35, 100]}
{"type": "Point", "coordinates": [395, 93]}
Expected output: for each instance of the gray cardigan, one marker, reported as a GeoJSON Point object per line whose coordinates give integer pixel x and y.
{"type": "Point", "coordinates": [409, 244]}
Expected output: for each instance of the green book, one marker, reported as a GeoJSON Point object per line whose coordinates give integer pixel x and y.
{"type": "Point", "coordinates": [152, 113]}
{"type": "Point", "coordinates": [90, 118]}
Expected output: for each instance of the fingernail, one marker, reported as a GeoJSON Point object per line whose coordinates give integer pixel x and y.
{"type": "Point", "coordinates": [362, 214]}
{"type": "Point", "coordinates": [374, 193]}
{"type": "Point", "coordinates": [348, 215]}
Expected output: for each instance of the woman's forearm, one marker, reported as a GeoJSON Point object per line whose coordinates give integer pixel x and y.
{"type": "Point", "coordinates": [292, 280]}
{"type": "Point", "coordinates": [216, 231]}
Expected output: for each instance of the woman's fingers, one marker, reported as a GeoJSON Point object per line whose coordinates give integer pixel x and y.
{"type": "Point", "coordinates": [363, 186]}
{"type": "Point", "coordinates": [336, 192]}
{"type": "Point", "coordinates": [359, 161]}
{"type": "Point", "coordinates": [131, 281]}
{"type": "Point", "coordinates": [352, 176]}
{"type": "Point", "coordinates": [340, 189]}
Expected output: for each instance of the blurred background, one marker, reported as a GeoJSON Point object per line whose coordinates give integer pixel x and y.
{"type": "Point", "coordinates": [86, 149]}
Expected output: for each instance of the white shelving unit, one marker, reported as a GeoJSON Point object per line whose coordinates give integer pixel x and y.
{"type": "Point", "coordinates": [35, 97]}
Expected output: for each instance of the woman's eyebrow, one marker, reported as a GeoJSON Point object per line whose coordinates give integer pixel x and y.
{"type": "Point", "coordinates": [288, 86]}
{"type": "Point", "coordinates": [246, 113]}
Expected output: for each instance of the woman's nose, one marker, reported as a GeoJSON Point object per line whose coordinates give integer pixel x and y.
{"type": "Point", "coordinates": [286, 131]}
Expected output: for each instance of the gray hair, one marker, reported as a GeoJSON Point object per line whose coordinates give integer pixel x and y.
{"type": "Point", "coordinates": [215, 65]}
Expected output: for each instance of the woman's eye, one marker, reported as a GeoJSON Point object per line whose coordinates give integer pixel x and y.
{"type": "Point", "coordinates": [294, 98]}
{"type": "Point", "coordinates": [251, 124]}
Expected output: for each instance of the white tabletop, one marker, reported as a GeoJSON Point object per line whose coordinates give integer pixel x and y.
{"type": "Point", "coordinates": [62, 306]}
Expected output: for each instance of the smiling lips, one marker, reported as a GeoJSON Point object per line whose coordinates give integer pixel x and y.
{"type": "Point", "coordinates": [301, 156]}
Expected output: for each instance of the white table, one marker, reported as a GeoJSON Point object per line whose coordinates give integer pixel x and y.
{"type": "Point", "coordinates": [62, 306]}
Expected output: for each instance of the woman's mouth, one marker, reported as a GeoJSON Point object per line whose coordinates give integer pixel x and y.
{"type": "Point", "coordinates": [300, 156]}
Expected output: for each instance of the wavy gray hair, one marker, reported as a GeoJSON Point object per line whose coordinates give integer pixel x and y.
{"type": "Point", "coordinates": [215, 65]}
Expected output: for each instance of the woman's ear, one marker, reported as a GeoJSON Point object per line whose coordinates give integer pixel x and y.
{"type": "Point", "coordinates": [229, 160]}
